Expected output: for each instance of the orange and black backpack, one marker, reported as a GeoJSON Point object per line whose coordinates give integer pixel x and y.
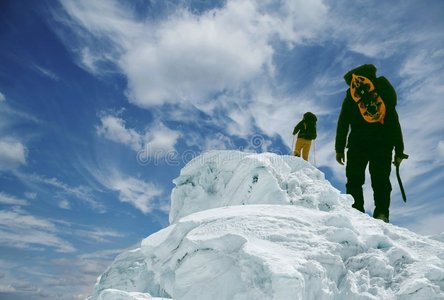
{"type": "Point", "coordinates": [368, 92]}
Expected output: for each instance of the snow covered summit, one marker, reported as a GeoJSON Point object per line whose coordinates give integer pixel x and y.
{"type": "Point", "coordinates": [246, 226]}
{"type": "Point", "coordinates": [229, 178]}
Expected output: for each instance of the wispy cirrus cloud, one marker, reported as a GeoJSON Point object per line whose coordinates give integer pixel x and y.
{"type": "Point", "coordinates": [12, 200]}
{"type": "Point", "coordinates": [13, 149]}
{"type": "Point", "coordinates": [144, 195]}
{"type": "Point", "coordinates": [375, 38]}
{"type": "Point", "coordinates": [69, 277]}
{"type": "Point", "coordinates": [82, 193]}
{"type": "Point", "coordinates": [441, 150]}
{"type": "Point", "coordinates": [22, 230]}
{"type": "Point", "coordinates": [99, 235]}
{"type": "Point", "coordinates": [47, 73]}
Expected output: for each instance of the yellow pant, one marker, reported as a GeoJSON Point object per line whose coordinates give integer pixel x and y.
{"type": "Point", "coordinates": [302, 147]}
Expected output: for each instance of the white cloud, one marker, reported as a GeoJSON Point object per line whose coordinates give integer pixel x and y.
{"type": "Point", "coordinates": [241, 122]}
{"type": "Point", "coordinates": [65, 204]}
{"type": "Point", "coordinates": [91, 61]}
{"type": "Point", "coordinates": [21, 230]}
{"type": "Point", "coordinates": [100, 235]}
{"type": "Point", "coordinates": [12, 154]}
{"type": "Point", "coordinates": [275, 113]}
{"type": "Point", "coordinates": [114, 129]}
{"type": "Point", "coordinates": [155, 139]}
{"type": "Point", "coordinates": [218, 141]}
{"type": "Point", "coordinates": [7, 288]}
{"type": "Point", "coordinates": [192, 57]}
{"type": "Point", "coordinates": [2, 97]}
{"type": "Point", "coordinates": [189, 57]}
{"type": "Point", "coordinates": [441, 150]}
{"type": "Point", "coordinates": [136, 192]}
{"type": "Point", "coordinates": [158, 137]}
{"type": "Point", "coordinates": [296, 21]}
{"type": "Point", "coordinates": [11, 200]}
{"type": "Point", "coordinates": [31, 195]}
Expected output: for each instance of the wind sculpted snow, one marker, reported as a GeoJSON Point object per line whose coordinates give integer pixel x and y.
{"type": "Point", "coordinates": [247, 226]}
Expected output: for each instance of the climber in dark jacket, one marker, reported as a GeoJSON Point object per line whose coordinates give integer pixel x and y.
{"type": "Point", "coordinates": [306, 131]}
{"type": "Point", "coordinates": [368, 112]}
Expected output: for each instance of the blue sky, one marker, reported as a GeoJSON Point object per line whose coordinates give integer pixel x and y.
{"type": "Point", "coordinates": [102, 103]}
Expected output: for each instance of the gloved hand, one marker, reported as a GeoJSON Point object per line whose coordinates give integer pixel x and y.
{"type": "Point", "coordinates": [399, 158]}
{"type": "Point", "coordinates": [340, 158]}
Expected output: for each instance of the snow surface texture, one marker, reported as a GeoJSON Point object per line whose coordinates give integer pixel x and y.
{"type": "Point", "coordinates": [261, 226]}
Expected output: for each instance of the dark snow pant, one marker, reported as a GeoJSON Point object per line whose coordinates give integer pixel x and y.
{"type": "Point", "coordinates": [379, 163]}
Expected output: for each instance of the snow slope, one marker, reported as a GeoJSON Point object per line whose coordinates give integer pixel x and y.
{"type": "Point", "coordinates": [247, 226]}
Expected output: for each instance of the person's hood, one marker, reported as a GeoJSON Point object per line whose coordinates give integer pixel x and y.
{"type": "Point", "coordinates": [367, 70]}
{"type": "Point", "coordinates": [310, 117]}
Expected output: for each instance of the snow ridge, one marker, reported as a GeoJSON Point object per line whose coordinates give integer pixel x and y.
{"type": "Point", "coordinates": [246, 226]}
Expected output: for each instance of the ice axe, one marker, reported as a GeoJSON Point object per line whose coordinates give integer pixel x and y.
{"type": "Point", "coordinates": [404, 197]}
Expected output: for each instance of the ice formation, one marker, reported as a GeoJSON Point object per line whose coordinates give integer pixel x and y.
{"type": "Point", "coordinates": [246, 226]}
